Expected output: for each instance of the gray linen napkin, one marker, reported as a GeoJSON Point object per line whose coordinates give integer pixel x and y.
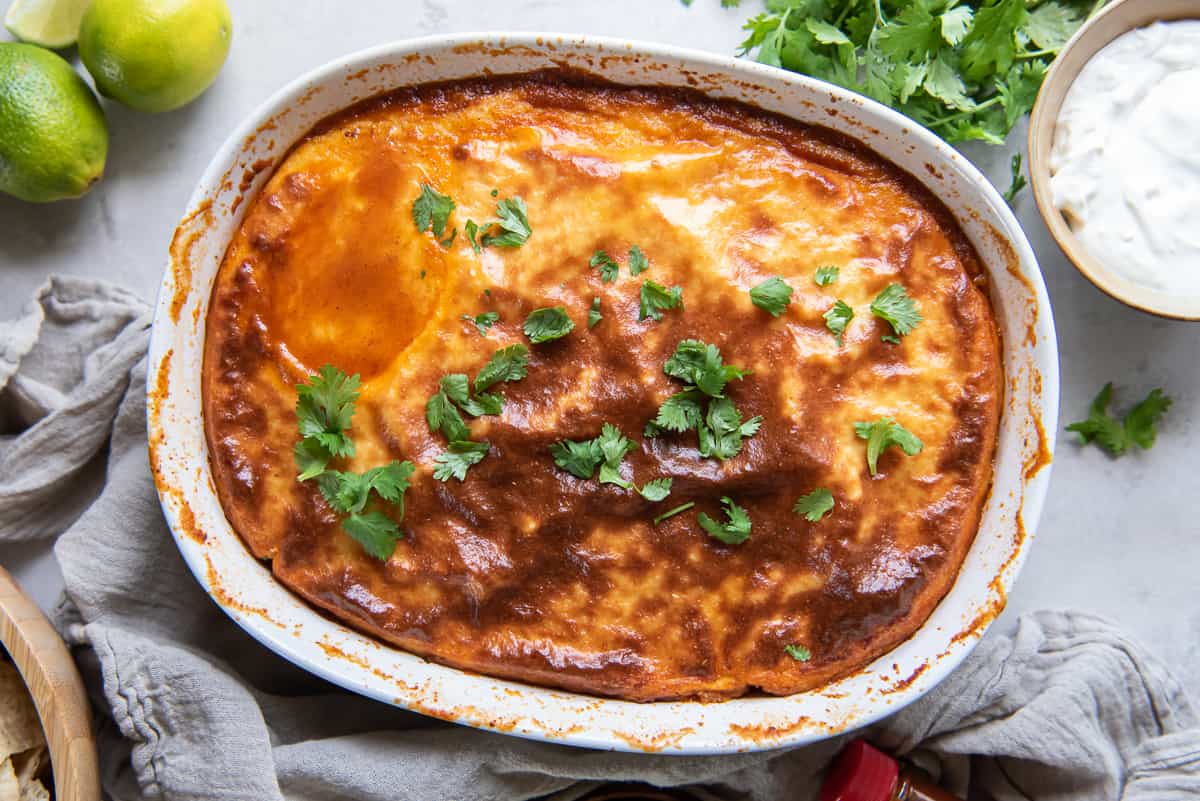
{"type": "Point", "coordinates": [192, 708]}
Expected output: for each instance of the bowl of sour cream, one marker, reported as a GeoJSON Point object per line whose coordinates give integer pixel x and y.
{"type": "Point", "coordinates": [1114, 148]}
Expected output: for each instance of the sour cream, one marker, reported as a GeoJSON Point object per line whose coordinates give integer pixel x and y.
{"type": "Point", "coordinates": [1125, 163]}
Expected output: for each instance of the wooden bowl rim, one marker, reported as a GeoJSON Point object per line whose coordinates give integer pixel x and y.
{"type": "Point", "coordinates": [1114, 20]}
{"type": "Point", "coordinates": [46, 667]}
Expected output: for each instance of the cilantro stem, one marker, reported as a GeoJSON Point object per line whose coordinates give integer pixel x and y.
{"type": "Point", "coordinates": [672, 512]}
{"type": "Point", "coordinates": [879, 17]}
{"type": "Point", "coordinates": [991, 101]}
{"type": "Point", "coordinates": [1035, 54]}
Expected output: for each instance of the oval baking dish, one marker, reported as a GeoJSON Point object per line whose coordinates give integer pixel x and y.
{"type": "Point", "coordinates": [245, 588]}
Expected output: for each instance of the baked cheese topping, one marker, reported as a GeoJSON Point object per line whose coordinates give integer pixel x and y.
{"type": "Point", "coordinates": [523, 569]}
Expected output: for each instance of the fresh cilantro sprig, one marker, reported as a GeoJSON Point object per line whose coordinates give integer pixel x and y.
{"type": "Point", "coordinates": [798, 652]}
{"type": "Point", "coordinates": [545, 325]}
{"type": "Point", "coordinates": [507, 364]}
{"type": "Point", "coordinates": [432, 209]}
{"type": "Point", "coordinates": [703, 405]}
{"type": "Point", "coordinates": [824, 276]}
{"type": "Point", "coordinates": [610, 268]}
{"type": "Point", "coordinates": [461, 455]}
{"type": "Point", "coordinates": [483, 321]}
{"type": "Point", "coordinates": [511, 229]}
{"type": "Point", "coordinates": [324, 409]}
{"type": "Point", "coordinates": [882, 434]}
{"type": "Point", "coordinates": [894, 306]}
{"type": "Point", "coordinates": [580, 458]}
{"type": "Point", "coordinates": [966, 70]}
{"type": "Point", "coordinates": [594, 315]}
{"type": "Point", "coordinates": [837, 318]}
{"type": "Point", "coordinates": [1139, 426]}
{"type": "Point", "coordinates": [606, 264]}
{"type": "Point", "coordinates": [736, 527]}
{"type": "Point", "coordinates": [442, 410]}
{"type": "Point", "coordinates": [655, 298]}
{"type": "Point", "coordinates": [772, 296]}
{"type": "Point", "coordinates": [1018, 179]}
{"type": "Point", "coordinates": [638, 263]}
{"type": "Point", "coordinates": [815, 504]}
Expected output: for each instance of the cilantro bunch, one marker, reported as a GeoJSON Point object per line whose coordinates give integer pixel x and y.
{"type": "Point", "coordinates": [965, 70]}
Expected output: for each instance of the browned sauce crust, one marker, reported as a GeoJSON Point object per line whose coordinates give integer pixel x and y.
{"type": "Point", "coordinates": [524, 571]}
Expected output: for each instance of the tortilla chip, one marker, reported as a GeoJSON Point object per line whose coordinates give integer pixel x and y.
{"type": "Point", "coordinates": [20, 729]}
{"type": "Point", "coordinates": [10, 788]}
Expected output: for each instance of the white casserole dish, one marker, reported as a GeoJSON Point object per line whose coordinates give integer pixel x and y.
{"type": "Point", "coordinates": [245, 589]}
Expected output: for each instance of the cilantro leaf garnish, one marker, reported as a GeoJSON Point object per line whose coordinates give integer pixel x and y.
{"type": "Point", "coordinates": [375, 532]}
{"type": "Point", "coordinates": [824, 276]}
{"type": "Point", "coordinates": [722, 430]}
{"type": "Point", "coordinates": [798, 652]}
{"type": "Point", "coordinates": [815, 504]}
{"type": "Point", "coordinates": [471, 229]}
{"type": "Point", "coordinates": [655, 298]}
{"type": "Point", "coordinates": [432, 209]}
{"type": "Point", "coordinates": [513, 224]}
{"type": "Point", "coordinates": [347, 493]}
{"type": "Point", "coordinates": [891, 339]}
{"type": "Point", "coordinates": [772, 296]}
{"type": "Point", "coordinates": [594, 315]}
{"type": "Point", "coordinates": [442, 415]}
{"type": "Point", "coordinates": [607, 265]}
{"type": "Point", "coordinates": [703, 405]}
{"type": "Point", "coordinates": [699, 363]}
{"type": "Point", "coordinates": [637, 261]}
{"type": "Point", "coordinates": [324, 408]}
{"type": "Point", "coordinates": [681, 412]}
{"type": "Point", "coordinates": [311, 458]}
{"type": "Point", "coordinates": [579, 458]}
{"type": "Point", "coordinates": [544, 325]}
{"type": "Point", "coordinates": [884, 433]}
{"type": "Point", "coordinates": [483, 321]}
{"type": "Point", "coordinates": [454, 462]}
{"type": "Point", "coordinates": [735, 529]}
{"type": "Point", "coordinates": [1018, 180]}
{"type": "Point", "coordinates": [506, 364]}
{"type": "Point", "coordinates": [1139, 426]}
{"type": "Point", "coordinates": [894, 306]}
{"type": "Point", "coordinates": [656, 489]}
{"type": "Point", "coordinates": [613, 446]}
{"type": "Point", "coordinates": [607, 451]}
{"type": "Point", "coordinates": [966, 71]}
{"type": "Point", "coordinates": [837, 318]}
{"type": "Point", "coordinates": [683, 507]}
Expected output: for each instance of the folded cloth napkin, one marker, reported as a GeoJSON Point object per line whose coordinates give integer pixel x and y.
{"type": "Point", "coordinates": [192, 708]}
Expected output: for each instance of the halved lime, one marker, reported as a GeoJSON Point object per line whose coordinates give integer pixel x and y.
{"type": "Point", "coordinates": [49, 23]}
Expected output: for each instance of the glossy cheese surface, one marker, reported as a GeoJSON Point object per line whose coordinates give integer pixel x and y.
{"type": "Point", "coordinates": [522, 570]}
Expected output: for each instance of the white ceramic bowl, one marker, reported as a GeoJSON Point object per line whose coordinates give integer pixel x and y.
{"type": "Point", "coordinates": [244, 588]}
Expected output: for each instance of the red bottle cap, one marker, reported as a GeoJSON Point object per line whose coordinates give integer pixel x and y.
{"type": "Point", "coordinates": [861, 773]}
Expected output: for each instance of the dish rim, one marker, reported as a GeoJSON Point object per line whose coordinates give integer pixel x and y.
{"type": "Point", "coordinates": [181, 481]}
{"type": "Point", "coordinates": [1116, 19]}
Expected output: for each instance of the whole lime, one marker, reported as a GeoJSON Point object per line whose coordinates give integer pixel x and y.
{"type": "Point", "coordinates": [53, 137]}
{"type": "Point", "coordinates": [155, 55]}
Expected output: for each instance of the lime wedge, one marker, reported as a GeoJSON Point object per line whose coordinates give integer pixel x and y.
{"type": "Point", "coordinates": [49, 23]}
